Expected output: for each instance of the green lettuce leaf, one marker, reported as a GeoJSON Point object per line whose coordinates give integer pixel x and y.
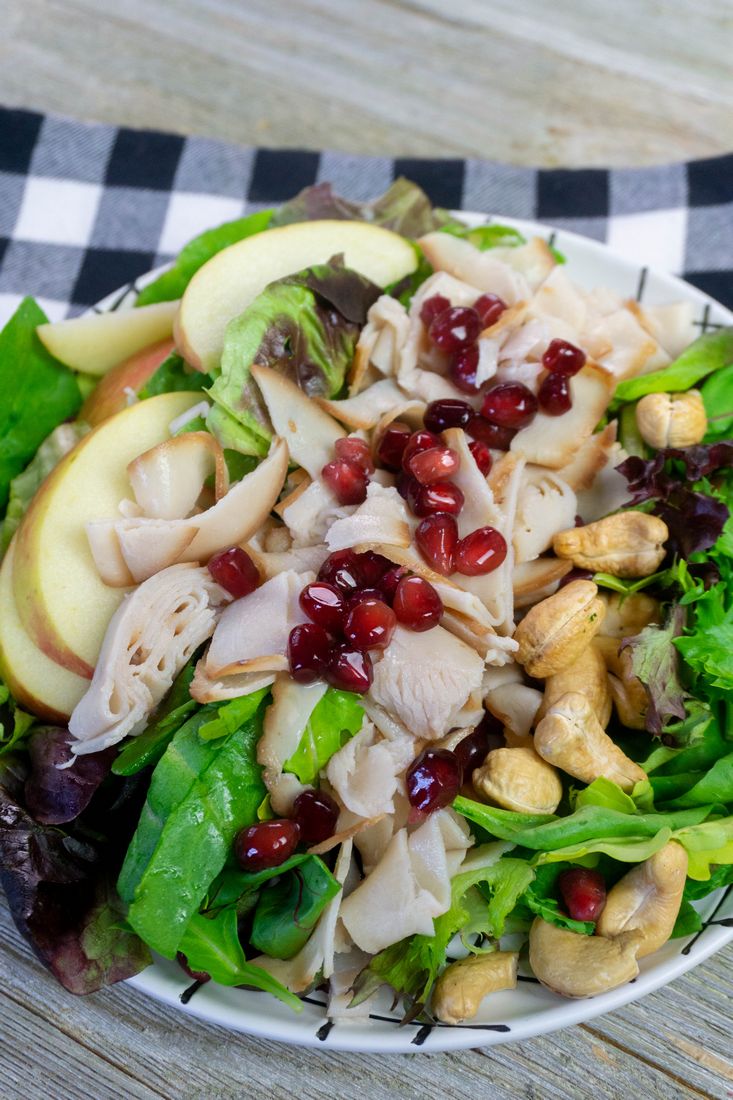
{"type": "Point", "coordinates": [170, 286]}
{"type": "Point", "coordinates": [289, 910]}
{"type": "Point", "coordinates": [485, 237]}
{"type": "Point", "coordinates": [655, 661]}
{"type": "Point", "coordinates": [708, 648]}
{"type": "Point", "coordinates": [336, 718]}
{"type": "Point", "coordinates": [148, 747]}
{"type": "Point", "coordinates": [710, 352]}
{"type": "Point", "coordinates": [38, 393]}
{"type": "Point", "coordinates": [15, 724]}
{"type": "Point", "coordinates": [231, 716]}
{"type": "Point", "coordinates": [540, 900]}
{"type": "Point", "coordinates": [238, 441]}
{"type": "Point", "coordinates": [172, 376]}
{"type": "Point", "coordinates": [717, 395]}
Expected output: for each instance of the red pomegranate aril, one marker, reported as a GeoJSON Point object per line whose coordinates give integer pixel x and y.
{"type": "Point", "coordinates": [316, 814]}
{"type": "Point", "coordinates": [347, 481]}
{"type": "Point", "coordinates": [199, 976]}
{"type": "Point", "coordinates": [481, 552]}
{"type": "Point", "coordinates": [489, 308]}
{"type": "Point", "coordinates": [473, 750]}
{"type": "Point", "coordinates": [463, 368]}
{"type": "Point", "coordinates": [324, 604]}
{"type": "Point", "coordinates": [510, 405]}
{"type": "Point", "coordinates": [583, 891]}
{"type": "Point", "coordinates": [370, 624]}
{"type": "Point", "coordinates": [391, 446]}
{"type": "Point", "coordinates": [435, 464]}
{"type": "Point", "coordinates": [576, 575]}
{"type": "Point", "coordinates": [372, 567]}
{"type": "Point", "coordinates": [342, 570]}
{"type": "Point", "coordinates": [353, 449]}
{"type": "Point", "coordinates": [500, 439]}
{"type": "Point", "coordinates": [363, 594]}
{"type": "Point", "coordinates": [454, 328]}
{"type": "Point", "coordinates": [561, 357]}
{"type": "Point", "coordinates": [235, 571]}
{"type": "Point", "coordinates": [443, 496]}
{"type": "Point", "coordinates": [481, 456]}
{"type": "Point", "coordinates": [437, 539]}
{"type": "Point", "coordinates": [309, 649]}
{"type": "Point", "coordinates": [390, 580]}
{"type": "Point", "coordinates": [267, 844]}
{"type": "Point", "coordinates": [554, 395]}
{"type": "Point", "coordinates": [432, 307]}
{"type": "Point", "coordinates": [450, 412]}
{"type": "Point", "coordinates": [416, 604]}
{"type": "Point", "coordinates": [433, 780]}
{"type": "Point", "coordinates": [419, 441]}
{"type": "Point", "coordinates": [350, 669]}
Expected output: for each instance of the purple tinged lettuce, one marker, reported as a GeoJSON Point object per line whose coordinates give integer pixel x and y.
{"type": "Point", "coordinates": [54, 794]}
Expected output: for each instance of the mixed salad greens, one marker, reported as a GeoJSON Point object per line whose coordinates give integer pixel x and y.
{"type": "Point", "coordinates": [110, 855]}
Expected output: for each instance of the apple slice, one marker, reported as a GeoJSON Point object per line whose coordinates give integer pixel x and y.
{"type": "Point", "coordinates": [63, 604]}
{"type": "Point", "coordinates": [99, 341]}
{"type": "Point", "coordinates": [38, 684]}
{"type": "Point", "coordinates": [227, 283]}
{"type": "Point", "coordinates": [112, 394]}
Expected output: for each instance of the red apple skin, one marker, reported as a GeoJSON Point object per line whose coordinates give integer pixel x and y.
{"type": "Point", "coordinates": [110, 396]}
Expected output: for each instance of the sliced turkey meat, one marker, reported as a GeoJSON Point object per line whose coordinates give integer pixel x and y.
{"type": "Point", "coordinates": [286, 719]}
{"type": "Point", "coordinates": [546, 505]}
{"type": "Point", "coordinates": [382, 518]}
{"type": "Point", "coordinates": [310, 433]}
{"type": "Point", "coordinates": [365, 772]}
{"type": "Point", "coordinates": [479, 269]}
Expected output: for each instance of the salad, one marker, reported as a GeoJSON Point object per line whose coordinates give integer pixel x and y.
{"type": "Point", "coordinates": [366, 617]}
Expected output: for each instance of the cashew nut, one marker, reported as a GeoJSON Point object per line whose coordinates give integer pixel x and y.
{"type": "Point", "coordinates": [627, 544]}
{"type": "Point", "coordinates": [581, 966]}
{"type": "Point", "coordinates": [627, 690]}
{"type": "Point", "coordinates": [647, 899]}
{"type": "Point", "coordinates": [554, 633]}
{"type": "Point", "coordinates": [672, 419]}
{"type": "Point", "coordinates": [589, 676]}
{"type": "Point", "coordinates": [520, 780]}
{"type": "Point", "coordinates": [571, 737]}
{"type": "Point", "coordinates": [627, 615]}
{"type": "Point", "coordinates": [463, 985]}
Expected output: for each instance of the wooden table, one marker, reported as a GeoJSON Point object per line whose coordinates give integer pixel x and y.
{"type": "Point", "coordinates": [525, 82]}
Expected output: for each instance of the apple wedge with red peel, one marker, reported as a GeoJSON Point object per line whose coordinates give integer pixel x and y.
{"type": "Point", "coordinates": [36, 682]}
{"type": "Point", "coordinates": [97, 342]}
{"type": "Point", "coordinates": [112, 394]}
{"type": "Point", "coordinates": [230, 280]}
{"type": "Point", "coordinates": [309, 432]}
{"type": "Point", "coordinates": [62, 602]}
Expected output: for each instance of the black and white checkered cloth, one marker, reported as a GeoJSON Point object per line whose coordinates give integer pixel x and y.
{"type": "Point", "coordinates": [85, 209]}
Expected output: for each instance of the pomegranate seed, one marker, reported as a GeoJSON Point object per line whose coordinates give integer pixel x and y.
{"type": "Point", "coordinates": [435, 464]}
{"type": "Point", "coordinates": [481, 456]}
{"type": "Point", "coordinates": [363, 594]}
{"type": "Point", "coordinates": [455, 328]}
{"type": "Point", "coordinates": [578, 521]}
{"type": "Point", "coordinates": [309, 648]}
{"type": "Point", "coordinates": [403, 482]}
{"type": "Point", "coordinates": [431, 307]}
{"type": "Point", "coordinates": [267, 844]}
{"type": "Point", "coordinates": [200, 976]}
{"type": "Point", "coordinates": [443, 496]}
{"type": "Point", "coordinates": [437, 538]}
{"type": "Point", "coordinates": [392, 443]}
{"type": "Point", "coordinates": [353, 449]}
{"type": "Point", "coordinates": [419, 441]}
{"type": "Point", "coordinates": [489, 308]}
{"type": "Point", "coordinates": [584, 892]}
{"type": "Point", "coordinates": [350, 669]}
{"type": "Point", "coordinates": [347, 481]}
{"type": "Point", "coordinates": [417, 604]}
{"type": "Point", "coordinates": [554, 395]}
{"type": "Point", "coordinates": [235, 571]}
{"type": "Point", "coordinates": [390, 580]}
{"type": "Point", "coordinates": [316, 814]}
{"type": "Point", "coordinates": [490, 434]}
{"type": "Point", "coordinates": [473, 750]}
{"type": "Point", "coordinates": [370, 624]}
{"type": "Point", "coordinates": [433, 780]}
{"type": "Point", "coordinates": [575, 575]}
{"type": "Point", "coordinates": [509, 404]}
{"type": "Point", "coordinates": [463, 369]}
{"type": "Point", "coordinates": [324, 604]}
{"type": "Point", "coordinates": [342, 570]}
{"type": "Point", "coordinates": [372, 567]}
{"type": "Point", "coordinates": [481, 552]}
{"type": "Point", "coordinates": [562, 357]}
{"type": "Point", "coordinates": [447, 413]}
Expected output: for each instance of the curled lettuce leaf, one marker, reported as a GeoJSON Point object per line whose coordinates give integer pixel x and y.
{"type": "Point", "coordinates": [56, 793]}
{"type": "Point", "coordinates": [336, 718]}
{"type": "Point", "coordinates": [710, 352]}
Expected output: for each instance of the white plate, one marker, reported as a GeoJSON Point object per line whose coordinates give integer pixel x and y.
{"type": "Point", "coordinates": [529, 1009]}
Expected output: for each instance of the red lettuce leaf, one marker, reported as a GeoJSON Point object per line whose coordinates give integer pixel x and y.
{"type": "Point", "coordinates": [55, 795]}
{"type": "Point", "coordinates": [656, 662]}
{"type": "Point", "coordinates": [404, 208]}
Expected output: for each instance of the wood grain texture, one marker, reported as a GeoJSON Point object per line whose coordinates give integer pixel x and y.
{"type": "Point", "coordinates": [570, 83]}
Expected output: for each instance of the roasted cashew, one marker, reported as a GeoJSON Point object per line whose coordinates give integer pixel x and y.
{"type": "Point", "coordinates": [628, 693]}
{"type": "Point", "coordinates": [520, 780]}
{"type": "Point", "coordinates": [463, 985]}
{"type": "Point", "coordinates": [587, 675]}
{"type": "Point", "coordinates": [581, 966]}
{"type": "Point", "coordinates": [672, 419]}
{"type": "Point", "coordinates": [571, 737]}
{"type": "Point", "coordinates": [647, 899]}
{"type": "Point", "coordinates": [627, 615]}
{"type": "Point", "coordinates": [627, 544]}
{"type": "Point", "coordinates": [554, 633]}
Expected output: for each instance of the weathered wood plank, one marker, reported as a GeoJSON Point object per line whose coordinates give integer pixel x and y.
{"type": "Point", "coordinates": [528, 83]}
